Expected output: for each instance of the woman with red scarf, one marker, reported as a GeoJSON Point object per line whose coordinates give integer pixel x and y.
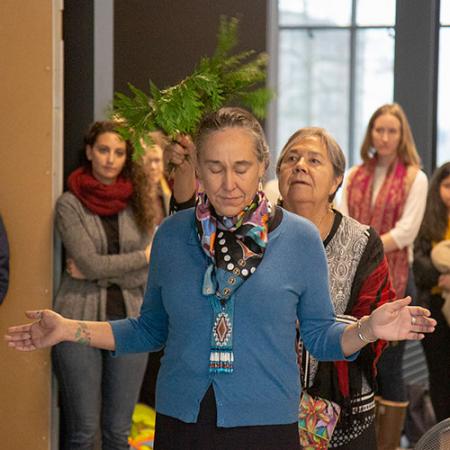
{"type": "Point", "coordinates": [107, 262]}
{"type": "Point", "coordinates": [388, 192]}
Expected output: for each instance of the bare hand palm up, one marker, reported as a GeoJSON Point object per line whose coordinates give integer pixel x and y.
{"type": "Point", "coordinates": [43, 332]}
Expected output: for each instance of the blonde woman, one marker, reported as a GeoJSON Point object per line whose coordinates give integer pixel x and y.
{"type": "Point", "coordinates": [151, 201]}
{"type": "Point", "coordinates": [388, 192]}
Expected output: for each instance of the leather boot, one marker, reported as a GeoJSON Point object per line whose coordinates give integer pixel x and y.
{"type": "Point", "coordinates": [390, 420]}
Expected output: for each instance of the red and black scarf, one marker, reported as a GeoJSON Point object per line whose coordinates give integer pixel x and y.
{"type": "Point", "coordinates": [384, 214]}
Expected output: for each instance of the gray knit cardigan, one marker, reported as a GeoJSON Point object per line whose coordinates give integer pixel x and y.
{"type": "Point", "coordinates": [85, 242]}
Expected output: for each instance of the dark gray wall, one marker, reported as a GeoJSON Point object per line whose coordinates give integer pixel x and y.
{"type": "Point", "coordinates": [416, 70]}
{"type": "Point", "coordinates": [163, 40]}
{"type": "Point", "coordinates": [78, 35]}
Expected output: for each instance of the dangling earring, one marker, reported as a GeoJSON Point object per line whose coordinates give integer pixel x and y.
{"type": "Point", "coordinates": [260, 185]}
{"type": "Point", "coordinates": [199, 182]}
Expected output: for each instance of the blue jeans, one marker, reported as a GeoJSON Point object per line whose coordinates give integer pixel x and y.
{"type": "Point", "coordinates": [97, 390]}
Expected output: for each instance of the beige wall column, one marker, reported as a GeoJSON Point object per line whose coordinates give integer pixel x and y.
{"type": "Point", "coordinates": [30, 89]}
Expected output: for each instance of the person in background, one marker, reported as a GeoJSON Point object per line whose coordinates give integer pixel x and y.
{"type": "Point", "coordinates": [107, 263]}
{"type": "Point", "coordinates": [4, 261]}
{"type": "Point", "coordinates": [272, 190]}
{"type": "Point", "coordinates": [388, 192]}
{"type": "Point", "coordinates": [151, 204]}
{"type": "Point", "coordinates": [224, 303]}
{"type": "Point", "coordinates": [164, 178]}
{"type": "Point", "coordinates": [310, 170]}
{"type": "Point", "coordinates": [432, 274]}
{"type": "Point", "coordinates": [151, 200]}
{"type": "Point", "coordinates": [162, 166]}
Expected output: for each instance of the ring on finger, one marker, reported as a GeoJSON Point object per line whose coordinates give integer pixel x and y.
{"type": "Point", "coordinates": [413, 320]}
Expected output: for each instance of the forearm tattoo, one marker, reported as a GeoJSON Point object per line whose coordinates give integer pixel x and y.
{"type": "Point", "coordinates": [82, 335]}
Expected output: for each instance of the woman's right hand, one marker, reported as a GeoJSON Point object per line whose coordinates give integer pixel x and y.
{"type": "Point", "coordinates": [444, 281]}
{"type": "Point", "coordinates": [47, 329]}
{"type": "Point", "coordinates": [180, 155]}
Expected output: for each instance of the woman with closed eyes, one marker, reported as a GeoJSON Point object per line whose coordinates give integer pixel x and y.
{"type": "Point", "coordinates": [228, 281]}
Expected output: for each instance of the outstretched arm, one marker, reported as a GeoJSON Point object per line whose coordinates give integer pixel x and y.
{"type": "Point", "coordinates": [393, 321]}
{"type": "Point", "coordinates": [49, 328]}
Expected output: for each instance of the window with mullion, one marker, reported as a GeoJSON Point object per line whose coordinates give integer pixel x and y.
{"type": "Point", "coordinates": [443, 125]}
{"type": "Point", "coordinates": [335, 66]}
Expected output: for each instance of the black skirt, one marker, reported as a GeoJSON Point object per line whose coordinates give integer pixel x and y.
{"type": "Point", "coordinates": [173, 434]}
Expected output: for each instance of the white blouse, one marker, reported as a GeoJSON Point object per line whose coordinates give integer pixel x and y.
{"type": "Point", "coordinates": [407, 227]}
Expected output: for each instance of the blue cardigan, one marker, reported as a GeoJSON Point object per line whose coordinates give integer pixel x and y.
{"type": "Point", "coordinates": [290, 283]}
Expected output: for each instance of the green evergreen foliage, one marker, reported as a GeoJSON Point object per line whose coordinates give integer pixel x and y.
{"type": "Point", "coordinates": [217, 81]}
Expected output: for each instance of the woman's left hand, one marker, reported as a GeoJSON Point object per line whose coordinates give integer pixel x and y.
{"type": "Point", "coordinates": [395, 321]}
{"type": "Point", "coordinates": [73, 270]}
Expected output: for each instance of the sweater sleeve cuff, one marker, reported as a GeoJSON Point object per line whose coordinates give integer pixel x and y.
{"type": "Point", "coordinates": [123, 331]}
{"type": "Point", "coordinates": [353, 356]}
{"type": "Point", "coordinates": [175, 206]}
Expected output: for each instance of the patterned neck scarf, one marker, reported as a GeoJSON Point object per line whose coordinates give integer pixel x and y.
{"type": "Point", "coordinates": [385, 213]}
{"type": "Point", "coordinates": [235, 247]}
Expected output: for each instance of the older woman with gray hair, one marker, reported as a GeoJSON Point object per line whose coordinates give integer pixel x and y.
{"type": "Point", "coordinates": [310, 170]}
